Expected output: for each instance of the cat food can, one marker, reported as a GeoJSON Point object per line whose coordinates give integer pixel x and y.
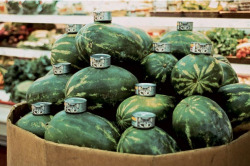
{"type": "Point", "coordinates": [61, 68]}
{"type": "Point", "coordinates": [100, 61]}
{"type": "Point", "coordinates": [200, 48]}
{"type": "Point", "coordinates": [162, 47]}
{"type": "Point", "coordinates": [184, 26]}
{"type": "Point", "coordinates": [143, 120]}
{"type": "Point", "coordinates": [145, 89]}
{"type": "Point", "coordinates": [102, 16]}
{"type": "Point", "coordinates": [41, 108]}
{"type": "Point", "coordinates": [73, 28]}
{"type": "Point", "coordinates": [75, 105]}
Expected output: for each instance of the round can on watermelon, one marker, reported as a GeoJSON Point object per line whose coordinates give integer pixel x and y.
{"type": "Point", "coordinates": [75, 105]}
{"type": "Point", "coordinates": [143, 120]}
{"type": "Point", "coordinates": [145, 89]}
{"type": "Point", "coordinates": [41, 108]}
{"type": "Point", "coordinates": [61, 68]}
{"type": "Point", "coordinates": [100, 61]}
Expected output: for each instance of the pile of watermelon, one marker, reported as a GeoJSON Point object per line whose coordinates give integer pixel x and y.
{"type": "Point", "coordinates": [198, 102]}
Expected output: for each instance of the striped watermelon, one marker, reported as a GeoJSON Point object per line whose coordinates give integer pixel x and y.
{"type": "Point", "coordinates": [152, 141]}
{"type": "Point", "coordinates": [50, 88]}
{"type": "Point", "coordinates": [34, 124]}
{"type": "Point", "coordinates": [104, 89]}
{"type": "Point", "coordinates": [85, 129]}
{"type": "Point", "coordinates": [181, 41]}
{"type": "Point", "coordinates": [64, 50]}
{"type": "Point", "coordinates": [158, 68]}
{"type": "Point", "coordinates": [229, 75]}
{"type": "Point", "coordinates": [196, 74]}
{"type": "Point", "coordinates": [221, 58]}
{"type": "Point", "coordinates": [235, 100]}
{"type": "Point", "coordinates": [200, 122]}
{"type": "Point", "coordinates": [161, 105]}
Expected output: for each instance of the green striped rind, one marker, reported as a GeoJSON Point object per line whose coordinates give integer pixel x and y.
{"type": "Point", "coordinates": [152, 141]}
{"type": "Point", "coordinates": [85, 129]}
{"type": "Point", "coordinates": [221, 58]}
{"type": "Point", "coordinates": [229, 75]}
{"type": "Point", "coordinates": [196, 74]}
{"type": "Point", "coordinates": [180, 41]}
{"type": "Point", "coordinates": [35, 124]}
{"type": "Point", "coordinates": [147, 41]}
{"type": "Point", "coordinates": [158, 68]}
{"type": "Point", "coordinates": [161, 105]}
{"type": "Point", "coordinates": [200, 122]}
{"type": "Point", "coordinates": [50, 88]}
{"type": "Point", "coordinates": [235, 100]}
{"type": "Point", "coordinates": [64, 50]}
{"type": "Point", "coordinates": [104, 89]}
{"type": "Point", "coordinates": [119, 42]}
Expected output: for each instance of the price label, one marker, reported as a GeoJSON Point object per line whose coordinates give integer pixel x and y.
{"type": "Point", "coordinates": [162, 47]}
{"type": "Point", "coordinates": [200, 48]}
{"type": "Point", "coordinates": [184, 26]}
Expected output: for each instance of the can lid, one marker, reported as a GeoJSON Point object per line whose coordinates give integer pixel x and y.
{"type": "Point", "coordinates": [143, 120]}
{"type": "Point", "coordinates": [184, 26]}
{"type": "Point", "coordinates": [75, 105]}
{"type": "Point", "coordinates": [41, 108]}
{"type": "Point", "coordinates": [162, 47]}
{"type": "Point", "coordinates": [100, 61]}
{"type": "Point", "coordinates": [73, 28]}
{"type": "Point", "coordinates": [102, 16]}
{"type": "Point", "coordinates": [200, 48]}
{"type": "Point", "coordinates": [61, 68]}
{"type": "Point", "coordinates": [145, 89]}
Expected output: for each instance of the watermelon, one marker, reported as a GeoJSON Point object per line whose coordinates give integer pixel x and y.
{"type": "Point", "coordinates": [50, 88]}
{"type": "Point", "coordinates": [152, 141]}
{"type": "Point", "coordinates": [64, 50]}
{"type": "Point", "coordinates": [196, 74]}
{"type": "Point", "coordinates": [161, 105]}
{"type": "Point", "coordinates": [221, 58]}
{"type": "Point", "coordinates": [104, 89]}
{"type": "Point", "coordinates": [229, 75]}
{"type": "Point", "coordinates": [34, 123]}
{"type": "Point", "coordinates": [235, 100]}
{"type": "Point", "coordinates": [200, 122]}
{"type": "Point", "coordinates": [180, 41]}
{"type": "Point", "coordinates": [84, 129]}
{"type": "Point", "coordinates": [157, 68]}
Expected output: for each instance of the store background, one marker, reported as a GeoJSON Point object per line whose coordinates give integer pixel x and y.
{"type": "Point", "coordinates": [29, 28]}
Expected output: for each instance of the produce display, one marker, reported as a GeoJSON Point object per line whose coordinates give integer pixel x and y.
{"type": "Point", "coordinates": [100, 105]}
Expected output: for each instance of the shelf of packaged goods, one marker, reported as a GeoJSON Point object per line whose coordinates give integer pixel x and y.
{"type": "Point", "coordinates": [23, 53]}
{"type": "Point", "coordinates": [129, 21]}
{"type": "Point", "coordinates": [241, 69]}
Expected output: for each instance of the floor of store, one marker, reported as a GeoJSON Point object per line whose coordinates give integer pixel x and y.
{"type": "Point", "coordinates": [3, 156]}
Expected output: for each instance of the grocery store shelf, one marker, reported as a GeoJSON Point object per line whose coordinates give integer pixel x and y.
{"type": "Point", "coordinates": [23, 53]}
{"type": "Point", "coordinates": [129, 21]}
{"type": "Point", "coordinates": [241, 69]}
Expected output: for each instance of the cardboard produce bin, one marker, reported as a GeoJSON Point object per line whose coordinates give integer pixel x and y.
{"type": "Point", "coordinates": [26, 149]}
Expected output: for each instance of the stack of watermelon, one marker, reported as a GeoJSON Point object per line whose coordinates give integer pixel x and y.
{"type": "Point", "coordinates": [206, 103]}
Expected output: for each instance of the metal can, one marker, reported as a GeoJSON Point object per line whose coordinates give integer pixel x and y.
{"type": "Point", "coordinates": [75, 105]}
{"type": "Point", "coordinates": [201, 48]}
{"type": "Point", "coordinates": [61, 68]}
{"type": "Point", "coordinates": [100, 61]}
{"type": "Point", "coordinates": [73, 28]}
{"type": "Point", "coordinates": [162, 47]}
{"type": "Point", "coordinates": [143, 120]}
{"type": "Point", "coordinates": [145, 89]}
{"type": "Point", "coordinates": [102, 16]}
{"type": "Point", "coordinates": [184, 26]}
{"type": "Point", "coordinates": [41, 108]}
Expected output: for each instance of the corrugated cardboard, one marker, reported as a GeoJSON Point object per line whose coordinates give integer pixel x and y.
{"type": "Point", "coordinates": [26, 149]}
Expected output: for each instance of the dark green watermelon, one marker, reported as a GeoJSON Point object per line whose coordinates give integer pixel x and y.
{"type": "Point", "coordinates": [34, 123]}
{"type": "Point", "coordinates": [104, 89]}
{"type": "Point", "coordinates": [200, 122]}
{"type": "Point", "coordinates": [84, 129]}
{"type": "Point", "coordinates": [235, 100]}
{"type": "Point", "coordinates": [221, 58]}
{"type": "Point", "coordinates": [158, 68]}
{"type": "Point", "coordinates": [161, 105]}
{"type": "Point", "coordinates": [229, 75]}
{"type": "Point", "coordinates": [196, 74]}
{"type": "Point", "coordinates": [152, 141]}
{"type": "Point", "coordinates": [180, 41]}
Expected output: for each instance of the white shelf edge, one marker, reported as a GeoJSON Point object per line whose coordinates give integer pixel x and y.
{"type": "Point", "coordinates": [130, 21]}
{"type": "Point", "coordinates": [23, 53]}
{"type": "Point", "coordinates": [241, 69]}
